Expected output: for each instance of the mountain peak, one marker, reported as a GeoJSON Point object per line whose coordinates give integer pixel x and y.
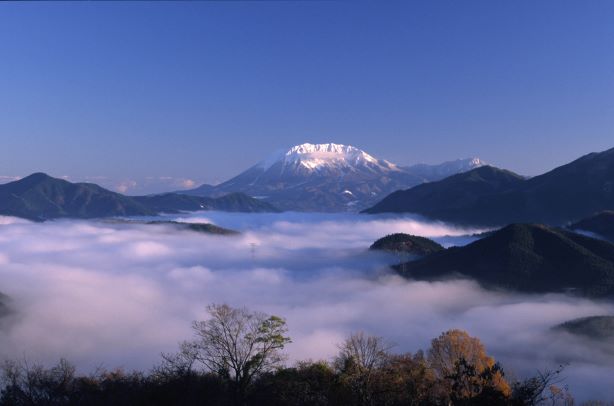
{"type": "Point", "coordinates": [309, 157]}
{"type": "Point", "coordinates": [330, 148]}
{"type": "Point", "coordinates": [315, 156]}
{"type": "Point", "coordinates": [475, 161]}
{"type": "Point", "coordinates": [329, 177]}
{"type": "Point", "coordinates": [34, 179]}
{"type": "Point", "coordinates": [36, 176]}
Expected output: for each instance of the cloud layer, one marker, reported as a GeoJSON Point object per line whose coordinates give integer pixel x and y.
{"type": "Point", "coordinates": [118, 295]}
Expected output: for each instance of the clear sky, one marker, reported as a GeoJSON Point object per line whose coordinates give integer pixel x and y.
{"type": "Point", "coordinates": [202, 90]}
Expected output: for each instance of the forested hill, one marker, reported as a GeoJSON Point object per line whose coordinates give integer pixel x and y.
{"type": "Point", "coordinates": [406, 244]}
{"type": "Point", "coordinates": [526, 258]}
{"type": "Point", "coordinates": [462, 198]}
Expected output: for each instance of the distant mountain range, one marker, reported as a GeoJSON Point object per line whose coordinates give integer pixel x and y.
{"type": "Point", "coordinates": [334, 177]}
{"type": "Point", "coordinates": [329, 177]}
{"type": "Point", "coordinates": [432, 173]}
{"type": "Point", "coordinates": [526, 258]}
{"type": "Point", "coordinates": [491, 196]}
{"type": "Point", "coordinates": [40, 197]}
{"type": "Point", "coordinates": [232, 202]}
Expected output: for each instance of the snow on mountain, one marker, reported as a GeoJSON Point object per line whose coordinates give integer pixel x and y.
{"type": "Point", "coordinates": [314, 157]}
{"type": "Point", "coordinates": [328, 177]}
{"type": "Point", "coordinates": [436, 172]}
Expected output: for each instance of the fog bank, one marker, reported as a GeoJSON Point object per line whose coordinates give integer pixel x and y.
{"type": "Point", "coordinates": [104, 293]}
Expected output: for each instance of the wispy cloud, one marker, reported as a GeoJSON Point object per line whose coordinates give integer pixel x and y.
{"type": "Point", "coordinates": [8, 178]}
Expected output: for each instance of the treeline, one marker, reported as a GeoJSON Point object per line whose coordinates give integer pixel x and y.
{"type": "Point", "coordinates": [236, 358]}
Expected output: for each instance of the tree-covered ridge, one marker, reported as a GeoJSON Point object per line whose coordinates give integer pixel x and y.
{"type": "Point", "coordinates": [459, 198]}
{"type": "Point", "coordinates": [593, 327]}
{"type": "Point", "coordinates": [40, 197]}
{"type": "Point", "coordinates": [526, 258]}
{"type": "Point", "coordinates": [406, 243]}
{"type": "Point", "coordinates": [205, 228]}
{"type": "Point", "coordinates": [601, 224]}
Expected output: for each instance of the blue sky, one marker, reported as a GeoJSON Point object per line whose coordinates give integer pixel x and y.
{"type": "Point", "coordinates": [202, 90]}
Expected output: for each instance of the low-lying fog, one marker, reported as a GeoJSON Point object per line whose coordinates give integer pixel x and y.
{"type": "Point", "coordinates": [111, 294]}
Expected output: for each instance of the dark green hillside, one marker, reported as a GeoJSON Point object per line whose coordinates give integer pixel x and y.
{"type": "Point", "coordinates": [594, 327]}
{"type": "Point", "coordinates": [406, 243]}
{"type": "Point", "coordinates": [571, 192]}
{"type": "Point", "coordinates": [490, 196]}
{"type": "Point", "coordinates": [40, 197]}
{"type": "Point", "coordinates": [205, 228]}
{"type": "Point", "coordinates": [460, 198]}
{"type": "Point", "coordinates": [526, 258]}
{"type": "Point", "coordinates": [601, 224]}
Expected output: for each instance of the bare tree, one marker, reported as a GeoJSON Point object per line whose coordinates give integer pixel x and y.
{"type": "Point", "coordinates": [33, 384]}
{"type": "Point", "coordinates": [365, 352]}
{"type": "Point", "coordinates": [543, 388]}
{"type": "Point", "coordinates": [359, 358]}
{"type": "Point", "coordinates": [239, 344]}
{"type": "Point", "coordinates": [179, 364]}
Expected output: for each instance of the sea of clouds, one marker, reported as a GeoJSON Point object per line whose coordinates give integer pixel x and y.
{"type": "Point", "coordinates": [103, 293]}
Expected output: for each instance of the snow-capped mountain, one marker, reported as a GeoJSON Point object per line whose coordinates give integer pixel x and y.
{"type": "Point", "coordinates": [437, 172]}
{"type": "Point", "coordinates": [324, 160]}
{"type": "Point", "coordinates": [326, 177]}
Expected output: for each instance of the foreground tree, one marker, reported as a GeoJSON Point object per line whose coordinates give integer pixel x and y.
{"type": "Point", "coordinates": [461, 361]}
{"type": "Point", "coordinates": [306, 384]}
{"type": "Point", "coordinates": [543, 389]}
{"type": "Point", "coordinates": [238, 345]}
{"type": "Point", "coordinates": [407, 380]}
{"type": "Point", "coordinates": [360, 359]}
{"type": "Point", "coordinates": [32, 384]}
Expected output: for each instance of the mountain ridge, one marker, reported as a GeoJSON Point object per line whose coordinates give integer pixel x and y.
{"type": "Point", "coordinates": [565, 194]}
{"type": "Point", "coordinates": [531, 258]}
{"type": "Point", "coordinates": [40, 197]}
{"type": "Point", "coordinates": [445, 198]}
